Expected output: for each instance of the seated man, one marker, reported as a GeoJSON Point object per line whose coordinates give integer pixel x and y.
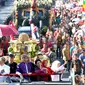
{"type": "Point", "coordinates": [4, 69]}
{"type": "Point", "coordinates": [12, 64]}
{"type": "Point", "coordinates": [25, 67]}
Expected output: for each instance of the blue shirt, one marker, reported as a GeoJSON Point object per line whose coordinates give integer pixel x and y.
{"type": "Point", "coordinates": [82, 58]}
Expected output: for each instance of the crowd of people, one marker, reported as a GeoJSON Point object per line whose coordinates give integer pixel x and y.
{"type": "Point", "coordinates": [65, 41]}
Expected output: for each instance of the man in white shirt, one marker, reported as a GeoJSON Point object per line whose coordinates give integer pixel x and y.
{"type": "Point", "coordinates": [4, 69]}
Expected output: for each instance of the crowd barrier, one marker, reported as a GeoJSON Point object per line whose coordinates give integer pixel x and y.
{"type": "Point", "coordinates": [60, 82]}
{"type": "Point", "coordinates": [35, 74]}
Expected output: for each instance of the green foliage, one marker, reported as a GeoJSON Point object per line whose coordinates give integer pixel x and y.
{"type": "Point", "coordinates": [44, 30]}
{"type": "Point", "coordinates": [37, 47]}
{"type": "Point", "coordinates": [10, 50]}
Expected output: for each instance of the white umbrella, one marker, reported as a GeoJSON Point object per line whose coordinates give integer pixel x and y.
{"type": "Point", "coordinates": [76, 20]}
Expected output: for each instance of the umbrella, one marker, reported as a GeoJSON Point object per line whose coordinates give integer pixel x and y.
{"type": "Point", "coordinates": [80, 22]}
{"type": "Point", "coordinates": [7, 30]}
{"type": "Point", "coordinates": [76, 20]}
{"type": "Point", "coordinates": [24, 29]}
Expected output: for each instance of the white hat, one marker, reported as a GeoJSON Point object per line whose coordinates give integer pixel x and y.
{"type": "Point", "coordinates": [39, 53]}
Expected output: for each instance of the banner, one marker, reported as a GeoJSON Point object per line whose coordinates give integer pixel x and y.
{"type": "Point", "coordinates": [83, 3]}
{"type": "Point", "coordinates": [83, 6]}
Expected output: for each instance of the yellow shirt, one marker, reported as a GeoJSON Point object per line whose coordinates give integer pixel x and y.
{"type": "Point", "coordinates": [66, 54]}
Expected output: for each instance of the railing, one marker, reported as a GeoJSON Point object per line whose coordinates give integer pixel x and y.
{"type": "Point", "coordinates": [60, 82]}
{"type": "Point", "coordinates": [35, 74]}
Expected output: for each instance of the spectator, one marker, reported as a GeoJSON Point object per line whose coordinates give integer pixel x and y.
{"type": "Point", "coordinates": [66, 55]}
{"type": "Point", "coordinates": [59, 44]}
{"type": "Point", "coordinates": [51, 55]}
{"type": "Point", "coordinates": [39, 56]}
{"type": "Point", "coordinates": [25, 67]}
{"type": "Point", "coordinates": [49, 70]}
{"type": "Point", "coordinates": [74, 45]}
{"type": "Point", "coordinates": [40, 70]}
{"type": "Point", "coordinates": [5, 45]}
{"type": "Point", "coordinates": [12, 64]}
{"type": "Point", "coordinates": [1, 48]}
{"type": "Point", "coordinates": [76, 64]}
{"type": "Point", "coordinates": [44, 49]}
{"type": "Point", "coordinates": [4, 69]}
{"type": "Point", "coordinates": [58, 19]}
{"type": "Point", "coordinates": [45, 65]}
{"type": "Point", "coordinates": [56, 67]}
{"type": "Point", "coordinates": [42, 56]}
{"type": "Point", "coordinates": [82, 58]}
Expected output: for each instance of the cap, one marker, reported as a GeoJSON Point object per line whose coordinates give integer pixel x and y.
{"type": "Point", "coordinates": [39, 53]}
{"type": "Point", "coordinates": [83, 51]}
{"type": "Point", "coordinates": [76, 54]}
{"type": "Point", "coordinates": [11, 55]}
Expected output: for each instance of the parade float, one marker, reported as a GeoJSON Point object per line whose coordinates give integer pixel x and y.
{"type": "Point", "coordinates": [35, 11]}
{"type": "Point", "coordinates": [28, 12]}
{"type": "Point", "coordinates": [22, 45]}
